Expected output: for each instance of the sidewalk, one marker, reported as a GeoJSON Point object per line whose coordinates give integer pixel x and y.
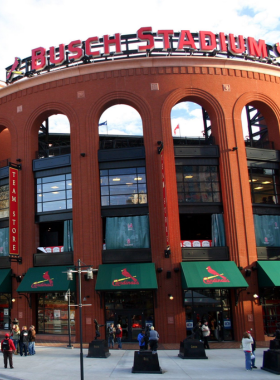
{"type": "Point", "coordinates": [51, 363]}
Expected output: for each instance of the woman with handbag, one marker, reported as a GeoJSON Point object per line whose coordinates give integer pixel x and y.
{"type": "Point", "coordinates": [247, 348]}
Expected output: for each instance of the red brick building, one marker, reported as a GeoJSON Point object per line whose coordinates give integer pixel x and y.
{"type": "Point", "coordinates": [223, 87]}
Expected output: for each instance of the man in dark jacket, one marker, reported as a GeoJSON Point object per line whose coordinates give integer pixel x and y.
{"type": "Point", "coordinates": [23, 341]}
{"type": "Point", "coordinates": [8, 347]}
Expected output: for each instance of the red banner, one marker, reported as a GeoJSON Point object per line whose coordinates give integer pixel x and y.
{"type": "Point", "coordinates": [164, 201]}
{"type": "Point", "coordinates": [13, 211]}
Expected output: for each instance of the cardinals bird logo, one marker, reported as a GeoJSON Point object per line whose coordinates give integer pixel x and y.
{"type": "Point", "coordinates": [123, 281]}
{"type": "Point", "coordinates": [44, 282]}
{"type": "Point", "coordinates": [14, 69]}
{"type": "Point", "coordinates": [216, 277]}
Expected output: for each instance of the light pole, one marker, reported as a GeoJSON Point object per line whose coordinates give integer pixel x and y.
{"type": "Point", "coordinates": [89, 271]}
{"type": "Point", "coordinates": [67, 298]}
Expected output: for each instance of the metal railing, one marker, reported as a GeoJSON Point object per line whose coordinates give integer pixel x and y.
{"type": "Point", "coordinates": [54, 151]}
{"type": "Point", "coordinates": [259, 144]}
{"type": "Point", "coordinates": [118, 143]}
{"type": "Point", "coordinates": [193, 141]}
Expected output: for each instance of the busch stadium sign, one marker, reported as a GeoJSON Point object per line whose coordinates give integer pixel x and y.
{"type": "Point", "coordinates": [142, 44]}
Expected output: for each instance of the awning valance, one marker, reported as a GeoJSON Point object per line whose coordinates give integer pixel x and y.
{"type": "Point", "coordinates": [46, 279]}
{"type": "Point", "coordinates": [211, 274]}
{"type": "Point", "coordinates": [126, 277]}
{"type": "Point", "coordinates": [5, 281]}
{"type": "Point", "coordinates": [268, 273]}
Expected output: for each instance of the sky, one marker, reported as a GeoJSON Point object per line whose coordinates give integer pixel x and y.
{"type": "Point", "coordinates": [28, 24]}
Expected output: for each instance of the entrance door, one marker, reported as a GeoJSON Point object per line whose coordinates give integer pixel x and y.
{"type": "Point", "coordinates": [131, 323]}
{"type": "Point", "coordinates": [214, 317]}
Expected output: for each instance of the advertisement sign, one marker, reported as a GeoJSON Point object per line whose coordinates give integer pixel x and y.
{"type": "Point", "coordinates": [13, 212]}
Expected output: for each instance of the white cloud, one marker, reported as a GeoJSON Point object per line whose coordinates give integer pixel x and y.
{"type": "Point", "coordinates": [121, 119]}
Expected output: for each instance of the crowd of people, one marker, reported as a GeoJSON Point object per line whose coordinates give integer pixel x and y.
{"type": "Point", "coordinates": [18, 342]}
{"type": "Point", "coordinates": [146, 338]}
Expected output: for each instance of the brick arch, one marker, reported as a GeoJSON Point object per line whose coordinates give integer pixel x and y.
{"type": "Point", "coordinates": [39, 115]}
{"type": "Point", "coordinates": [10, 150]}
{"type": "Point", "coordinates": [266, 106]}
{"type": "Point", "coordinates": [121, 97]}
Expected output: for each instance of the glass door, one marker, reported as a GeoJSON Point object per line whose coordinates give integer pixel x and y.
{"type": "Point", "coordinates": [131, 323]}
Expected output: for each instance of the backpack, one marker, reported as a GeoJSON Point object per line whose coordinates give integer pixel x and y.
{"type": "Point", "coordinates": [5, 345]}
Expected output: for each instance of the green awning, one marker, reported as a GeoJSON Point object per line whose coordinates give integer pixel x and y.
{"type": "Point", "coordinates": [5, 281]}
{"type": "Point", "coordinates": [126, 277]}
{"type": "Point", "coordinates": [46, 280]}
{"type": "Point", "coordinates": [212, 274]}
{"type": "Point", "coordinates": [268, 273]}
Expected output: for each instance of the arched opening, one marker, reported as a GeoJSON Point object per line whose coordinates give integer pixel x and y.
{"type": "Point", "coordinates": [120, 126]}
{"type": "Point", "coordinates": [255, 129]}
{"type": "Point", "coordinates": [201, 220]}
{"type": "Point", "coordinates": [190, 124]}
{"type": "Point", "coordinates": [54, 136]}
{"type": "Point", "coordinates": [5, 146]}
{"type": "Point", "coordinates": [5, 154]}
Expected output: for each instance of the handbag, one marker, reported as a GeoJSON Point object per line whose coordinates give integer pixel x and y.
{"type": "Point", "coordinates": [253, 356]}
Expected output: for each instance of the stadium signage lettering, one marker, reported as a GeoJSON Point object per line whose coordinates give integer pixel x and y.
{"type": "Point", "coordinates": [164, 40]}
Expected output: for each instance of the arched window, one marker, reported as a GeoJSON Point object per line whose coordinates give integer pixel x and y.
{"type": "Point", "coordinates": [190, 124]}
{"type": "Point", "coordinates": [54, 137]}
{"type": "Point", "coordinates": [120, 126]}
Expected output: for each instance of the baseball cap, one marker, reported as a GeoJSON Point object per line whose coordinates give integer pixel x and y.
{"type": "Point", "coordinates": [7, 335]}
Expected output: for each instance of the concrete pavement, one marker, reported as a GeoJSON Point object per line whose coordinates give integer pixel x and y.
{"type": "Point", "coordinates": [51, 363]}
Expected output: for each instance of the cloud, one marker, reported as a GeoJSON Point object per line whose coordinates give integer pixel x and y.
{"type": "Point", "coordinates": [121, 119]}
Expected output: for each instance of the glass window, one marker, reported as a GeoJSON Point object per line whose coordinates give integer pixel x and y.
{"type": "Point", "coordinates": [123, 186]}
{"type": "Point", "coordinates": [53, 314]}
{"type": "Point", "coordinates": [198, 184]}
{"type": "Point", "coordinates": [4, 241]}
{"type": "Point", "coordinates": [54, 193]}
{"type": "Point", "coordinates": [4, 201]}
{"type": "Point", "coordinates": [264, 185]}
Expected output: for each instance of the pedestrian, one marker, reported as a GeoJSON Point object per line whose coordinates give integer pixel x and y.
{"type": "Point", "coordinates": [111, 337]}
{"type": "Point", "coordinates": [247, 348]}
{"type": "Point", "coordinates": [197, 331]}
{"type": "Point", "coordinates": [205, 333]}
{"type": "Point", "coordinates": [141, 340]}
{"type": "Point", "coordinates": [153, 340]}
{"type": "Point", "coordinates": [119, 336]}
{"type": "Point", "coordinates": [8, 347]}
{"type": "Point", "coordinates": [147, 337]}
{"type": "Point", "coordinates": [253, 355]}
{"type": "Point", "coordinates": [31, 340]}
{"type": "Point", "coordinates": [15, 334]}
{"type": "Point", "coordinates": [23, 341]}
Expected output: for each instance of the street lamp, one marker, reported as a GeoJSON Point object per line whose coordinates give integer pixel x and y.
{"type": "Point", "coordinates": [67, 298]}
{"type": "Point", "coordinates": [89, 271]}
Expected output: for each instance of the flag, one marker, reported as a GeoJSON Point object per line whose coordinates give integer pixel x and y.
{"type": "Point", "coordinates": [104, 123]}
{"type": "Point", "coordinates": [176, 129]}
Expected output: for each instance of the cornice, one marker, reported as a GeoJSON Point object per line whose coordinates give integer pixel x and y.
{"type": "Point", "coordinates": [142, 66]}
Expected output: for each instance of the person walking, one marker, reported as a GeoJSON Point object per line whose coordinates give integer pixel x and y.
{"type": "Point", "coordinates": [141, 340]}
{"type": "Point", "coordinates": [8, 347]}
{"type": "Point", "coordinates": [15, 334]}
{"type": "Point", "coordinates": [111, 337]}
{"type": "Point", "coordinates": [205, 333]}
{"type": "Point", "coordinates": [247, 348]}
{"type": "Point", "coordinates": [153, 340]}
{"type": "Point", "coordinates": [119, 336]}
{"type": "Point", "coordinates": [31, 340]}
{"type": "Point", "coordinates": [23, 341]}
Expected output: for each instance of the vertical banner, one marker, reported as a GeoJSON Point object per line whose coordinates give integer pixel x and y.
{"type": "Point", "coordinates": [164, 200]}
{"type": "Point", "coordinates": [13, 212]}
